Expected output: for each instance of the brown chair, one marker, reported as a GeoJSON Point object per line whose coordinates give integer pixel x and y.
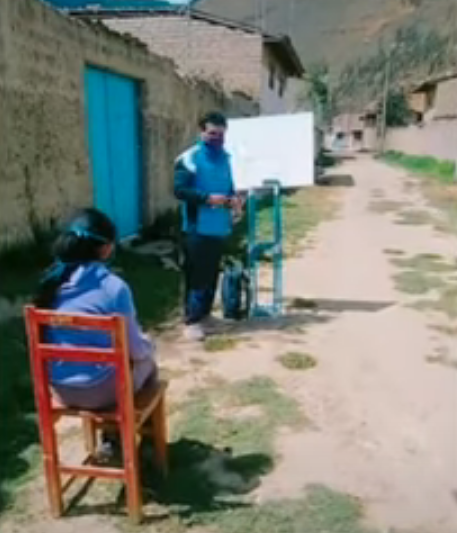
{"type": "Point", "coordinates": [134, 415]}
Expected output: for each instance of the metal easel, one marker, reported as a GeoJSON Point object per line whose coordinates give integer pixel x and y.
{"type": "Point", "coordinates": [257, 250]}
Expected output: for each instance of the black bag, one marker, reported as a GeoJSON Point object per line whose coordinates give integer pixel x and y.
{"type": "Point", "coordinates": [236, 294]}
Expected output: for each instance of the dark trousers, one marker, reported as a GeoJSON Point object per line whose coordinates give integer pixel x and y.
{"type": "Point", "coordinates": [201, 274]}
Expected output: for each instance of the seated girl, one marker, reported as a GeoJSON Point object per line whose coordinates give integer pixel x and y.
{"type": "Point", "coordinates": [80, 282]}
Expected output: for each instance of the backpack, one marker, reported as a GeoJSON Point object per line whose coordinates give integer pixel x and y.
{"type": "Point", "coordinates": [236, 295]}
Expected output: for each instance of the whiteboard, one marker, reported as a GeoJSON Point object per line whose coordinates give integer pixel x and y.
{"type": "Point", "coordinates": [279, 147]}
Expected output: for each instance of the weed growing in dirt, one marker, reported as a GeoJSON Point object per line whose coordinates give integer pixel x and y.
{"type": "Point", "coordinates": [416, 282]}
{"type": "Point", "coordinates": [446, 303]}
{"type": "Point", "coordinates": [427, 262]}
{"type": "Point", "coordinates": [220, 343]}
{"type": "Point", "coordinates": [297, 361]}
{"type": "Point", "coordinates": [414, 217]}
{"type": "Point", "coordinates": [420, 278]}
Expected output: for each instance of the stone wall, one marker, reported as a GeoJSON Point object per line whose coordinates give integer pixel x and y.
{"type": "Point", "coordinates": [44, 168]}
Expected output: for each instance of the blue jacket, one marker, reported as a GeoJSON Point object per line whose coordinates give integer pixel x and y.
{"type": "Point", "coordinates": [200, 172]}
{"type": "Point", "coordinates": [93, 289]}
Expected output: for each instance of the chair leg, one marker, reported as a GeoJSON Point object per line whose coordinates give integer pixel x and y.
{"type": "Point", "coordinates": [90, 436]}
{"type": "Point", "coordinates": [160, 436]}
{"type": "Point", "coordinates": [51, 470]}
{"type": "Point", "coordinates": [132, 475]}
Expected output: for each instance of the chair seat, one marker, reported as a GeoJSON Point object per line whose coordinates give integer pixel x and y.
{"type": "Point", "coordinates": [146, 401]}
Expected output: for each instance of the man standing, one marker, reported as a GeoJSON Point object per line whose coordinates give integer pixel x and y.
{"type": "Point", "coordinates": [204, 185]}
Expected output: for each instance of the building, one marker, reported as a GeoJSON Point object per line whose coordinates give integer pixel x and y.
{"type": "Point", "coordinates": [433, 132]}
{"type": "Point", "coordinates": [92, 118]}
{"type": "Point", "coordinates": [435, 98]}
{"type": "Point", "coordinates": [240, 57]}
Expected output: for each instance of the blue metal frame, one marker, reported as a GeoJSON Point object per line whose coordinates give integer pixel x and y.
{"type": "Point", "coordinates": [257, 249]}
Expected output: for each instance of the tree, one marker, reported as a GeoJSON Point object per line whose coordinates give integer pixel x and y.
{"type": "Point", "coordinates": [398, 112]}
{"type": "Point", "coordinates": [317, 91]}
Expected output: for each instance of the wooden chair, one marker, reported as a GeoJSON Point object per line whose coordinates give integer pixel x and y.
{"type": "Point", "coordinates": [134, 415]}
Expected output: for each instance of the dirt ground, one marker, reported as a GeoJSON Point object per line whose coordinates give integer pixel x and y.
{"type": "Point", "coordinates": [380, 402]}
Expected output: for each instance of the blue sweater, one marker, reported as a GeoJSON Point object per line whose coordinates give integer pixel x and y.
{"type": "Point", "coordinates": [200, 172]}
{"type": "Point", "coordinates": [92, 289]}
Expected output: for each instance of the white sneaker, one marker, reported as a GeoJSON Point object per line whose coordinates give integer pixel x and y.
{"type": "Point", "coordinates": [194, 332]}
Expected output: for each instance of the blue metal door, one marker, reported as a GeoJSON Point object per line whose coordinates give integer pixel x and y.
{"type": "Point", "coordinates": [112, 109]}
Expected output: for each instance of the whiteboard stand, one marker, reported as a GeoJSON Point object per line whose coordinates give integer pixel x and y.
{"type": "Point", "coordinates": [257, 250]}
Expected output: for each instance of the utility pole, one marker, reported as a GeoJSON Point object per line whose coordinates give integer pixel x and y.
{"type": "Point", "coordinates": [453, 65]}
{"type": "Point", "coordinates": [188, 9]}
{"type": "Point", "coordinates": [261, 12]}
{"type": "Point", "coordinates": [291, 18]}
{"type": "Point", "coordinates": [385, 103]}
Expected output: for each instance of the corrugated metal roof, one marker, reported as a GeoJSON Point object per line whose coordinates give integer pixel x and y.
{"type": "Point", "coordinates": [100, 5]}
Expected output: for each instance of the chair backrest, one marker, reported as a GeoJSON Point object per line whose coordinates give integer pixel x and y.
{"type": "Point", "coordinates": [42, 353]}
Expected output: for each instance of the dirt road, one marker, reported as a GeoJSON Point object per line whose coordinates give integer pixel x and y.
{"type": "Point", "coordinates": [385, 417]}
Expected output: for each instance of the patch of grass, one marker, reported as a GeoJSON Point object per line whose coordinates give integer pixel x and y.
{"type": "Point", "coordinates": [297, 361]}
{"type": "Point", "coordinates": [417, 282]}
{"type": "Point", "coordinates": [199, 417]}
{"type": "Point", "coordinates": [19, 443]}
{"type": "Point", "coordinates": [20, 268]}
{"type": "Point", "coordinates": [220, 343]}
{"type": "Point", "coordinates": [302, 211]}
{"type": "Point", "coordinates": [443, 171]}
{"type": "Point", "coordinates": [446, 303]}
{"type": "Point", "coordinates": [156, 290]}
{"type": "Point", "coordinates": [425, 262]}
{"type": "Point", "coordinates": [437, 184]}
{"type": "Point", "coordinates": [321, 510]}
{"type": "Point", "coordinates": [419, 278]}
{"type": "Point", "coordinates": [414, 217]}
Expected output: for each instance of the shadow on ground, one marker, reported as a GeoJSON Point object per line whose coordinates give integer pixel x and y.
{"type": "Point", "coordinates": [339, 306]}
{"type": "Point", "coordinates": [336, 180]}
{"type": "Point", "coordinates": [300, 313]}
{"type": "Point", "coordinates": [202, 479]}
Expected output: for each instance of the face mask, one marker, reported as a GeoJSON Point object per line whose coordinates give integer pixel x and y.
{"type": "Point", "coordinates": [215, 142]}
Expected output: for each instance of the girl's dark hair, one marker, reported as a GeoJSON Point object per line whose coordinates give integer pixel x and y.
{"type": "Point", "coordinates": [79, 242]}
